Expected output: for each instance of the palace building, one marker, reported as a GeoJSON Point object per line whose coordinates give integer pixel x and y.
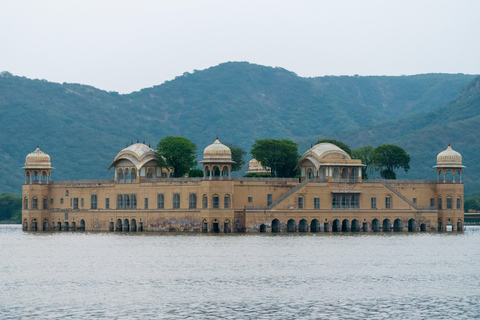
{"type": "Point", "coordinates": [330, 196]}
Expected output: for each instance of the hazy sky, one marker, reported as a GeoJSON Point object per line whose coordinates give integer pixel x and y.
{"type": "Point", "coordinates": [128, 45]}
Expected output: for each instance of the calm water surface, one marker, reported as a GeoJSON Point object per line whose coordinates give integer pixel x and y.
{"type": "Point", "coordinates": [176, 276]}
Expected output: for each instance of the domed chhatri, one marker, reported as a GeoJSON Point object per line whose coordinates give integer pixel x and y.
{"type": "Point", "coordinates": [449, 158]}
{"type": "Point", "coordinates": [449, 166]}
{"type": "Point", "coordinates": [37, 159]}
{"type": "Point", "coordinates": [37, 167]}
{"type": "Point", "coordinates": [217, 161]}
{"type": "Point", "coordinates": [217, 151]}
{"type": "Point", "coordinates": [255, 167]}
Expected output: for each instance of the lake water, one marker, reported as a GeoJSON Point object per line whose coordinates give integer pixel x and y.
{"type": "Point", "coordinates": [244, 276]}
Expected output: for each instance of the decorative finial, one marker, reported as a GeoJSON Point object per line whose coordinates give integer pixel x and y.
{"type": "Point", "coordinates": [217, 136]}
{"type": "Point", "coordinates": [37, 146]}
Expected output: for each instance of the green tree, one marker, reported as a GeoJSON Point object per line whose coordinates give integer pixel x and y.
{"type": "Point", "coordinates": [471, 204]}
{"type": "Point", "coordinates": [10, 207]}
{"type": "Point", "coordinates": [195, 173]}
{"type": "Point", "coordinates": [280, 155]}
{"type": "Point", "coordinates": [388, 157]}
{"type": "Point", "coordinates": [365, 154]}
{"type": "Point", "coordinates": [177, 153]}
{"type": "Point", "coordinates": [238, 155]}
{"type": "Point", "coordinates": [339, 144]}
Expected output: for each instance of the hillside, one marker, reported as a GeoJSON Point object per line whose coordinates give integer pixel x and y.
{"type": "Point", "coordinates": [424, 135]}
{"type": "Point", "coordinates": [82, 128]}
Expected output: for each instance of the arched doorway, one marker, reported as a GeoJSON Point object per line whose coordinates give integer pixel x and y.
{"type": "Point", "coordinates": [74, 226]}
{"type": "Point", "coordinates": [397, 225]}
{"type": "Point", "coordinates": [215, 227]}
{"type": "Point", "coordinates": [134, 225]}
{"type": "Point", "coordinates": [25, 225]}
{"type": "Point", "coordinates": [355, 226]}
{"type": "Point", "coordinates": [59, 226]}
{"type": "Point", "coordinates": [387, 225]}
{"type": "Point", "coordinates": [45, 225]}
{"type": "Point", "coordinates": [303, 226]}
{"type": "Point", "coordinates": [126, 225]}
{"type": "Point", "coordinates": [345, 225]}
{"type": "Point", "coordinates": [375, 225]}
{"type": "Point", "coordinates": [263, 228]}
{"type": "Point", "coordinates": [34, 225]}
{"type": "Point", "coordinates": [291, 226]}
{"type": "Point", "coordinates": [119, 225]}
{"type": "Point", "coordinates": [276, 225]}
{"type": "Point", "coordinates": [82, 225]}
{"type": "Point", "coordinates": [226, 226]}
{"type": "Point", "coordinates": [423, 227]}
{"type": "Point", "coordinates": [315, 225]}
{"type": "Point", "coordinates": [336, 227]}
{"type": "Point", "coordinates": [412, 226]}
{"type": "Point", "coordinates": [459, 225]}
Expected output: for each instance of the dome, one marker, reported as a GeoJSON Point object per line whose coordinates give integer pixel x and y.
{"type": "Point", "coordinates": [254, 166]}
{"type": "Point", "coordinates": [449, 158]}
{"type": "Point", "coordinates": [38, 160]}
{"type": "Point", "coordinates": [138, 154]}
{"type": "Point", "coordinates": [217, 151]}
{"type": "Point", "coordinates": [328, 150]}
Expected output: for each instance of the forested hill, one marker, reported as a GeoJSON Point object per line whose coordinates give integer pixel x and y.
{"type": "Point", "coordinates": [423, 135]}
{"type": "Point", "coordinates": [83, 128]}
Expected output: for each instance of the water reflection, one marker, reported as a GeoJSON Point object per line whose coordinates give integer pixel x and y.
{"type": "Point", "coordinates": [281, 276]}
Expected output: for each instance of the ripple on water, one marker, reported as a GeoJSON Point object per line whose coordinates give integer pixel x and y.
{"type": "Point", "coordinates": [152, 276]}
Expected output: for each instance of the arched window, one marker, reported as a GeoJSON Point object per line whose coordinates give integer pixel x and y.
{"type": "Point", "coordinates": [336, 175]}
{"type": "Point", "coordinates": [176, 201]}
{"type": "Point", "coordinates": [205, 201]}
{"type": "Point", "coordinates": [160, 201]}
{"type": "Point", "coordinates": [150, 172]}
{"type": "Point", "coordinates": [120, 175]}
{"type": "Point", "coordinates": [192, 201]}
{"type": "Point", "coordinates": [25, 203]}
{"type": "Point", "coordinates": [34, 203]}
{"type": "Point", "coordinates": [215, 201]}
{"type": "Point", "coordinates": [119, 201]}
{"type": "Point", "coordinates": [226, 202]}
{"type": "Point", "coordinates": [344, 174]}
{"type": "Point", "coordinates": [133, 199]}
{"type": "Point", "coordinates": [322, 173]}
{"type": "Point", "coordinates": [128, 177]}
{"type": "Point", "coordinates": [449, 203]}
{"type": "Point", "coordinates": [134, 175]}
{"type": "Point", "coordinates": [354, 175]}
{"type": "Point", "coordinates": [127, 201]}
{"type": "Point", "coordinates": [93, 201]}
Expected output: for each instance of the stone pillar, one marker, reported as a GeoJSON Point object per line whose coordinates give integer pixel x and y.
{"type": "Point", "coordinates": [210, 175]}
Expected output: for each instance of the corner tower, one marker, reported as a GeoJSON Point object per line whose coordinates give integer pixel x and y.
{"type": "Point", "coordinates": [37, 167]}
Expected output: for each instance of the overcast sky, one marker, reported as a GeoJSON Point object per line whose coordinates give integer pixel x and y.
{"type": "Point", "coordinates": [128, 45]}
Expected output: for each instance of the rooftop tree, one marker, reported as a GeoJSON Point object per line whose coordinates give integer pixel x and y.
{"type": "Point", "coordinates": [178, 154]}
{"type": "Point", "coordinates": [388, 157]}
{"type": "Point", "coordinates": [280, 155]}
